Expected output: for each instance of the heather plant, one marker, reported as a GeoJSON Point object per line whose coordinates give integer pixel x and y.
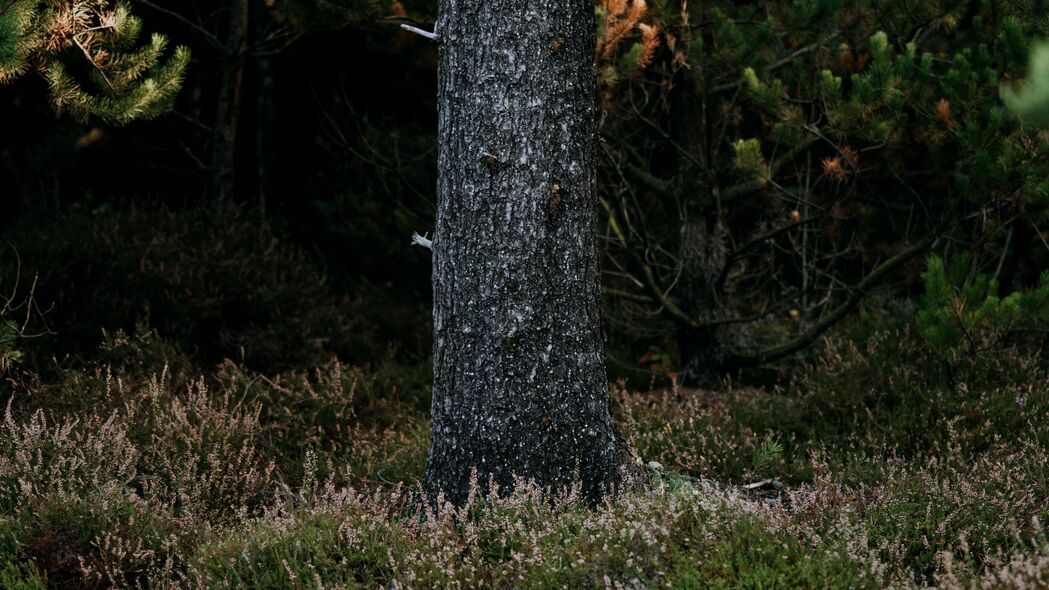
{"type": "Point", "coordinates": [526, 539]}
{"type": "Point", "coordinates": [201, 452]}
{"type": "Point", "coordinates": [103, 540]}
{"type": "Point", "coordinates": [105, 499]}
{"type": "Point", "coordinates": [66, 457]}
{"type": "Point", "coordinates": [973, 509]}
{"type": "Point", "coordinates": [1022, 569]}
{"type": "Point", "coordinates": [850, 396]}
{"type": "Point", "coordinates": [362, 426]}
{"type": "Point", "coordinates": [64, 489]}
{"type": "Point", "coordinates": [138, 352]}
{"type": "Point", "coordinates": [893, 478]}
{"type": "Point", "coordinates": [920, 467]}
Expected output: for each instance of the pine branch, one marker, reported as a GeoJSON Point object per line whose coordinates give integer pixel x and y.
{"type": "Point", "coordinates": [126, 82]}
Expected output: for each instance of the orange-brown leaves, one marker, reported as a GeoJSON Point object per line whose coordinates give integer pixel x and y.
{"type": "Point", "coordinates": [649, 44]}
{"type": "Point", "coordinates": [637, 10]}
{"type": "Point", "coordinates": [943, 111]}
{"type": "Point", "coordinates": [851, 157]}
{"type": "Point", "coordinates": [621, 18]}
{"type": "Point", "coordinates": [832, 168]}
{"type": "Point", "coordinates": [848, 62]}
{"type": "Point", "coordinates": [617, 25]}
{"type": "Point", "coordinates": [838, 167]}
{"type": "Point", "coordinates": [615, 8]}
{"type": "Point", "coordinates": [90, 138]}
{"type": "Point", "coordinates": [680, 60]}
{"type": "Point", "coordinates": [78, 24]}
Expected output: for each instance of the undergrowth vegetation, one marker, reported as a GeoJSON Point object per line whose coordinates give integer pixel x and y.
{"type": "Point", "coordinates": [125, 475]}
{"type": "Point", "coordinates": [133, 456]}
{"type": "Point", "coordinates": [217, 281]}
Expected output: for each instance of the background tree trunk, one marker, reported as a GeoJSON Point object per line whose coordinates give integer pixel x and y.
{"type": "Point", "coordinates": [265, 110]}
{"type": "Point", "coordinates": [520, 386]}
{"type": "Point", "coordinates": [228, 104]}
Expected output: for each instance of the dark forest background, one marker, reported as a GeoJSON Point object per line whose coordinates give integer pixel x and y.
{"type": "Point", "coordinates": [334, 167]}
{"type": "Point", "coordinates": [768, 172]}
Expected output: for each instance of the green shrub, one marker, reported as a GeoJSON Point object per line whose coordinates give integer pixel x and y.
{"type": "Point", "coordinates": [875, 431]}
{"type": "Point", "coordinates": [9, 353]}
{"type": "Point", "coordinates": [963, 315]}
{"type": "Point", "coordinates": [311, 549]}
{"type": "Point", "coordinates": [15, 572]}
{"type": "Point", "coordinates": [525, 540]}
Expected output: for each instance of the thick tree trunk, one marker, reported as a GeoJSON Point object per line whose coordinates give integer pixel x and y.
{"type": "Point", "coordinates": [520, 387]}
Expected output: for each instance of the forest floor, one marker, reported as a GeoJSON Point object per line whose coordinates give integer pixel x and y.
{"type": "Point", "coordinates": [130, 474]}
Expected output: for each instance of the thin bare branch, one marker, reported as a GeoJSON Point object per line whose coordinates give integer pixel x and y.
{"type": "Point", "coordinates": [786, 349]}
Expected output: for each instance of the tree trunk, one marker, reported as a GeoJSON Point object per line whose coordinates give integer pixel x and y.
{"type": "Point", "coordinates": [228, 104]}
{"type": "Point", "coordinates": [701, 254]}
{"type": "Point", "coordinates": [520, 387]}
{"type": "Point", "coordinates": [699, 354]}
{"type": "Point", "coordinates": [265, 120]}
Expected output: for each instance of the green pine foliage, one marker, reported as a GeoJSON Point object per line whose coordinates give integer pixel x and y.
{"type": "Point", "coordinates": [802, 144]}
{"type": "Point", "coordinates": [16, 573]}
{"type": "Point", "coordinates": [963, 317]}
{"type": "Point", "coordinates": [90, 55]}
{"type": "Point", "coordinates": [748, 158]}
{"type": "Point", "coordinates": [891, 98]}
{"type": "Point", "coordinates": [9, 352]}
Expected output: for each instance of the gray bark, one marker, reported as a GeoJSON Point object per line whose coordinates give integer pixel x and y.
{"type": "Point", "coordinates": [520, 386]}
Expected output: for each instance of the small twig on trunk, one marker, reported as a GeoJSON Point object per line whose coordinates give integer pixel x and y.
{"type": "Point", "coordinates": [423, 241]}
{"type": "Point", "coordinates": [418, 31]}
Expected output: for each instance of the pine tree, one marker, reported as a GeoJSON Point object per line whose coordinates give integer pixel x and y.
{"type": "Point", "coordinates": [804, 152]}
{"type": "Point", "coordinates": [89, 53]}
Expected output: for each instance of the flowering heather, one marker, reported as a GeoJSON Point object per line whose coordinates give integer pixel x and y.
{"type": "Point", "coordinates": [309, 480]}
